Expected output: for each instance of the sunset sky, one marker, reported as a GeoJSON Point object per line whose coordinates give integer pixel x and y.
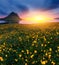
{"type": "Point", "coordinates": [38, 9]}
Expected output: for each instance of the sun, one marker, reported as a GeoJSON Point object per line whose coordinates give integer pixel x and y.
{"type": "Point", "coordinates": [37, 17]}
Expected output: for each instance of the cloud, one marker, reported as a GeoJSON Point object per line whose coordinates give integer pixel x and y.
{"type": "Point", "coordinates": [42, 4]}
{"type": "Point", "coordinates": [22, 8]}
{"type": "Point", "coordinates": [2, 12]}
{"type": "Point", "coordinates": [52, 5]}
{"type": "Point", "coordinates": [7, 6]}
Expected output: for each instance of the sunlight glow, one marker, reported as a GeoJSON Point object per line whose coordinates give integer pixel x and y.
{"type": "Point", "coordinates": [37, 17]}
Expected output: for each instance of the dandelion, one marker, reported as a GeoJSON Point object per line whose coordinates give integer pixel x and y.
{"type": "Point", "coordinates": [44, 38]}
{"type": "Point", "coordinates": [14, 50]}
{"type": "Point", "coordinates": [45, 45]}
{"type": "Point", "coordinates": [57, 33]}
{"type": "Point", "coordinates": [26, 64]}
{"type": "Point", "coordinates": [48, 42]}
{"type": "Point", "coordinates": [46, 54]}
{"type": "Point", "coordinates": [50, 49]}
{"type": "Point", "coordinates": [35, 51]}
{"type": "Point", "coordinates": [44, 50]}
{"type": "Point", "coordinates": [27, 51]}
{"type": "Point", "coordinates": [4, 43]}
{"type": "Point", "coordinates": [20, 55]}
{"type": "Point", "coordinates": [1, 58]}
{"type": "Point", "coordinates": [51, 37]}
{"type": "Point", "coordinates": [26, 60]}
{"type": "Point", "coordinates": [43, 62]}
{"type": "Point", "coordinates": [16, 60]}
{"type": "Point", "coordinates": [10, 49]}
{"type": "Point", "coordinates": [22, 51]}
{"type": "Point", "coordinates": [33, 62]}
{"type": "Point", "coordinates": [32, 56]}
{"type": "Point", "coordinates": [6, 55]}
{"type": "Point", "coordinates": [34, 41]}
{"type": "Point", "coordinates": [49, 53]}
{"type": "Point", "coordinates": [58, 47]}
{"type": "Point", "coordinates": [27, 37]}
{"type": "Point", "coordinates": [20, 39]}
{"type": "Point", "coordinates": [33, 44]}
{"type": "Point", "coordinates": [42, 45]}
{"type": "Point", "coordinates": [49, 56]}
{"type": "Point", "coordinates": [53, 62]}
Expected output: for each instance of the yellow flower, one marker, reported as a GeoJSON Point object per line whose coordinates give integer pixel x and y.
{"type": "Point", "coordinates": [20, 55]}
{"type": "Point", "coordinates": [43, 62]}
{"type": "Point", "coordinates": [50, 49]}
{"type": "Point", "coordinates": [46, 54]}
{"type": "Point", "coordinates": [49, 56]}
{"type": "Point", "coordinates": [16, 60]}
{"type": "Point", "coordinates": [58, 47]}
{"type": "Point", "coordinates": [26, 60]}
{"type": "Point", "coordinates": [27, 51]}
{"type": "Point", "coordinates": [44, 38]}
{"type": "Point", "coordinates": [1, 58]}
{"type": "Point", "coordinates": [26, 64]}
{"type": "Point", "coordinates": [4, 43]}
{"type": "Point", "coordinates": [34, 41]}
{"type": "Point", "coordinates": [53, 62]}
{"type": "Point", "coordinates": [10, 49]}
{"type": "Point", "coordinates": [32, 56]}
{"type": "Point", "coordinates": [49, 53]}
{"type": "Point", "coordinates": [51, 37]}
{"type": "Point", "coordinates": [48, 42]}
{"type": "Point", "coordinates": [32, 44]}
{"type": "Point", "coordinates": [42, 45]}
{"type": "Point", "coordinates": [20, 39]}
{"type": "Point", "coordinates": [22, 51]}
{"type": "Point", "coordinates": [35, 51]}
{"type": "Point", "coordinates": [14, 50]}
{"type": "Point", "coordinates": [33, 62]}
{"type": "Point", "coordinates": [57, 33]}
{"type": "Point", "coordinates": [6, 55]}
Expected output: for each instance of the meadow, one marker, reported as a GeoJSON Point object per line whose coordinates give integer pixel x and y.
{"type": "Point", "coordinates": [30, 44]}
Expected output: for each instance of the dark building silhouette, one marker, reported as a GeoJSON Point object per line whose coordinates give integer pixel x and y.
{"type": "Point", "coordinates": [11, 18]}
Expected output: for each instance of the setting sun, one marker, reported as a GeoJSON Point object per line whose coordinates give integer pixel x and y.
{"type": "Point", "coordinates": [37, 17]}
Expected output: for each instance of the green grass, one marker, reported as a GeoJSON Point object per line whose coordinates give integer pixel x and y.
{"type": "Point", "coordinates": [29, 44]}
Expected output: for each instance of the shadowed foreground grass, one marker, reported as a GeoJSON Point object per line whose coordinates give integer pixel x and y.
{"type": "Point", "coordinates": [29, 44]}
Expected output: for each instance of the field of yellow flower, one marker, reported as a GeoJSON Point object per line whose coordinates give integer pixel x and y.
{"type": "Point", "coordinates": [29, 44]}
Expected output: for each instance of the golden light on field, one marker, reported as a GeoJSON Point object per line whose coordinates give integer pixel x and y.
{"type": "Point", "coordinates": [37, 17]}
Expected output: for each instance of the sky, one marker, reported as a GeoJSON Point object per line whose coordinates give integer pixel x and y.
{"type": "Point", "coordinates": [8, 6]}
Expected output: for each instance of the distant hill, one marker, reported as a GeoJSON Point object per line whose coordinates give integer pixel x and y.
{"type": "Point", "coordinates": [11, 18]}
